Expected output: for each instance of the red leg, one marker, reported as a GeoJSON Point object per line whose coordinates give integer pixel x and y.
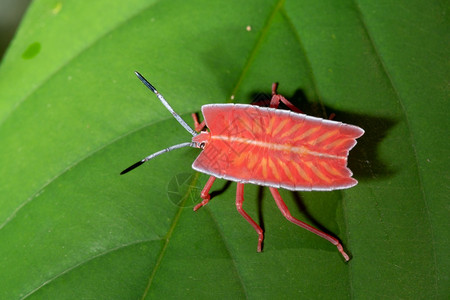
{"type": "Point", "coordinates": [205, 193]}
{"type": "Point", "coordinates": [284, 209]}
{"type": "Point", "coordinates": [274, 88]}
{"type": "Point", "coordinates": [198, 126]}
{"type": "Point", "coordinates": [239, 202]}
{"type": "Point", "coordinates": [276, 98]}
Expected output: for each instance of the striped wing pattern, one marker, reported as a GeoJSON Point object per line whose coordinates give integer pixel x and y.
{"type": "Point", "coordinates": [277, 148]}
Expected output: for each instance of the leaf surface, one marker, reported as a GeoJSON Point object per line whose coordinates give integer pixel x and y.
{"type": "Point", "coordinates": [73, 115]}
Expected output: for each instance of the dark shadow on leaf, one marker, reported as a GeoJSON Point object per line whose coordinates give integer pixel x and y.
{"type": "Point", "coordinates": [304, 210]}
{"type": "Point", "coordinates": [363, 158]}
{"type": "Point", "coordinates": [260, 207]}
{"type": "Point", "coordinates": [216, 193]}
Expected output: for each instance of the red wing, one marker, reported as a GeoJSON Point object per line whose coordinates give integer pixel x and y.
{"type": "Point", "coordinates": [277, 148]}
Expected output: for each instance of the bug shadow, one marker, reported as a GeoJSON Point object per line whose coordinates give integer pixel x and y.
{"type": "Point", "coordinates": [363, 158]}
{"type": "Point", "coordinates": [302, 208]}
{"type": "Point", "coordinates": [259, 206]}
{"type": "Point", "coordinates": [225, 187]}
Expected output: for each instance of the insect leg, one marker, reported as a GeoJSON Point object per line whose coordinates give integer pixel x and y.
{"type": "Point", "coordinates": [205, 193]}
{"type": "Point", "coordinates": [276, 99]}
{"type": "Point", "coordinates": [239, 202]}
{"type": "Point", "coordinates": [198, 126]}
{"type": "Point", "coordinates": [285, 211]}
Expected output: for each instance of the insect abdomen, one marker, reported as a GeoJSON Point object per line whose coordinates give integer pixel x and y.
{"type": "Point", "coordinates": [277, 148]}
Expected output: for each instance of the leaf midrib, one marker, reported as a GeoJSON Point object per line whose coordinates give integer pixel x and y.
{"type": "Point", "coordinates": [241, 77]}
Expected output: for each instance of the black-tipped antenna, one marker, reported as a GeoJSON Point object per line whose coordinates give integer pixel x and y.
{"type": "Point", "coordinates": [164, 102]}
{"type": "Point", "coordinates": [156, 154]}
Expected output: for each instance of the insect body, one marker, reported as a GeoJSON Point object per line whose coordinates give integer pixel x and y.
{"type": "Point", "coordinates": [269, 147]}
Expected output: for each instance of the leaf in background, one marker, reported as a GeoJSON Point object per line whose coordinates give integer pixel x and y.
{"type": "Point", "coordinates": [73, 115]}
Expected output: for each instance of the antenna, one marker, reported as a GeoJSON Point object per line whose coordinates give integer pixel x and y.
{"type": "Point", "coordinates": [166, 104]}
{"type": "Point", "coordinates": [175, 115]}
{"type": "Point", "coordinates": [132, 167]}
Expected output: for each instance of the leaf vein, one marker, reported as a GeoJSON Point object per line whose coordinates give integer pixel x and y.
{"type": "Point", "coordinates": [85, 262]}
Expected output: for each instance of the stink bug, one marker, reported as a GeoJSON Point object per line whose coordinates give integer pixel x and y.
{"type": "Point", "coordinates": [269, 147]}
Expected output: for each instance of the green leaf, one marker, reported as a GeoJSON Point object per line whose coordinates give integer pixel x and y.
{"type": "Point", "coordinates": [73, 115]}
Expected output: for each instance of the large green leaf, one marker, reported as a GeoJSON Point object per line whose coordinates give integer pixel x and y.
{"type": "Point", "coordinates": [73, 115]}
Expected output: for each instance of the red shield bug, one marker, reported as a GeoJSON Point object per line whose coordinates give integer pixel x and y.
{"type": "Point", "coordinates": [268, 147]}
